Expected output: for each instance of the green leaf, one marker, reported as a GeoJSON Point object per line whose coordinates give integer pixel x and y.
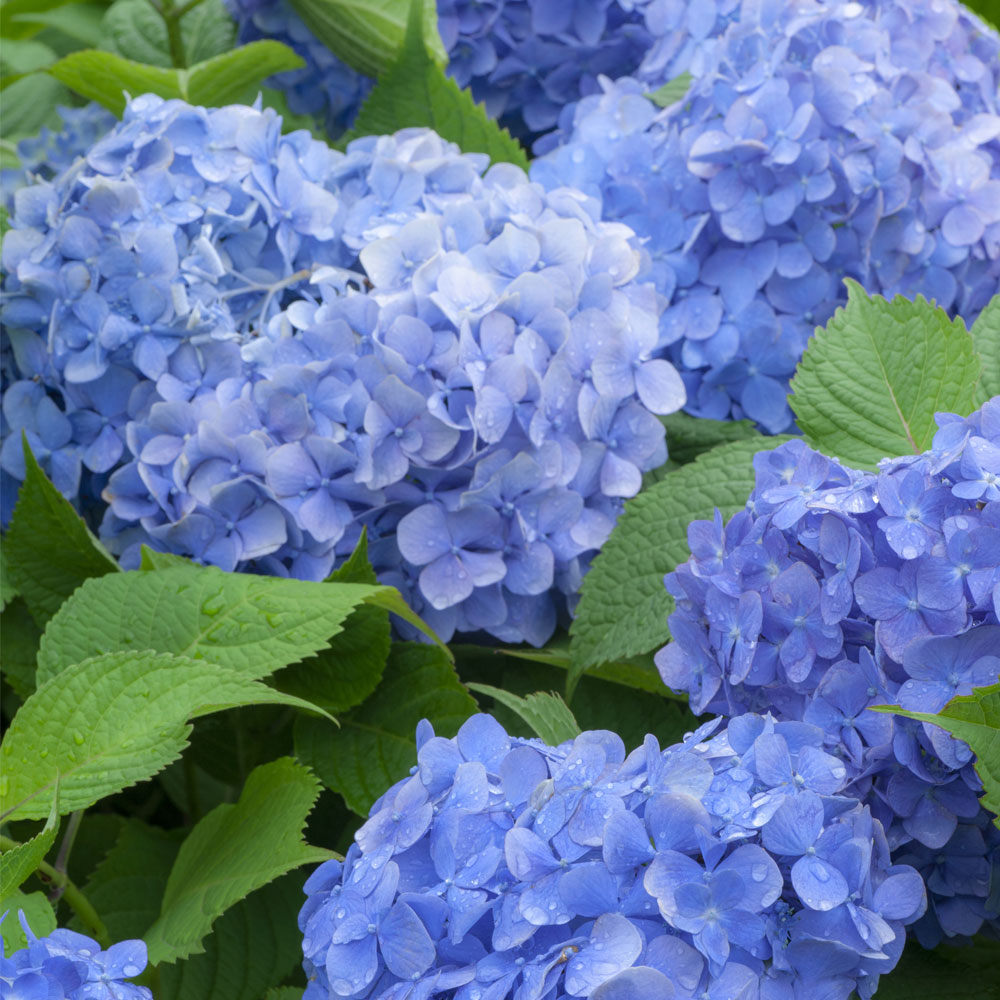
{"type": "Point", "coordinates": [110, 722]}
{"type": "Point", "coordinates": [284, 993]}
{"type": "Point", "coordinates": [234, 75]}
{"type": "Point", "coordinates": [80, 22]}
{"type": "Point", "coordinates": [24, 56]}
{"type": "Point", "coordinates": [151, 559]}
{"type": "Point", "coordinates": [13, 24]}
{"type": "Point", "coordinates": [868, 385]}
{"type": "Point", "coordinates": [251, 624]}
{"type": "Point", "coordinates": [29, 103]}
{"type": "Point", "coordinates": [986, 337]}
{"type": "Point", "coordinates": [547, 714]}
{"type": "Point", "coordinates": [49, 549]}
{"type": "Point", "coordinates": [8, 588]}
{"type": "Point", "coordinates": [19, 638]}
{"type": "Point", "coordinates": [207, 31]}
{"type": "Point", "coordinates": [37, 911]}
{"type": "Point", "coordinates": [672, 91]}
{"type": "Point", "coordinates": [127, 886]}
{"type": "Point", "coordinates": [415, 91]}
{"type": "Point", "coordinates": [134, 30]}
{"type": "Point", "coordinates": [623, 606]}
{"type": "Point", "coordinates": [232, 851]}
{"type": "Point", "coordinates": [375, 744]}
{"type": "Point", "coordinates": [368, 34]}
{"type": "Point", "coordinates": [344, 675]}
{"type": "Point", "coordinates": [974, 718]}
{"type": "Point", "coordinates": [254, 944]}
{"type": "Point", "coordinates": [688, 437]}
{"type": "Point", "coordinates": [104, 77]}
{"type": "Point", "coordinates": [21, 861]}
{"type": "Point", "coordinates": [946, 973]}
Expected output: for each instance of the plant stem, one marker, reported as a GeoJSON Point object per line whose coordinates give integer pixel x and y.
{"type": "Point", "coordinates": [172, 19]}
{"type": "Point", "coordinates": [184, 8]}
{"type": "Point", "coordinates": [62, 859]}
{"type": "Point", "coordinates": [74, 898]}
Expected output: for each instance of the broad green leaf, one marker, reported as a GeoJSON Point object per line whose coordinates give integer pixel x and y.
{"type": "Point", "coordinates": [986, 337]}
{"type": "Point", "coordinates": [24, 56]}
{"type": "Point", "coordinates": [868, 385]}
{"type": "Point", "coordinates": [284, 993]}
{"type": "Point", "coordinates": [8, 588]}
{"type": "Point", "coordinates": [105, 77]}
{"type": "Point", "coordinates": [19, 638]}
{"type": "Point", "coordinates": [415, 91]}
{"type": "Point", "coordinates": [344, 675]}
{"type": "Point", "coordinates": [29, 103]}
{"type": "Point", "coordinates": [19, 862]}
{"type": "Point", "coordinates": [547, 714]}
{"type": "Point", "coordinates": [37, 911]}
{"type": "Point", "coordinates": [233, 76]}
{"type": "Point", "coordinates": [672, 91]}
{"type": "Point", "coordinates": [688, 437]}
{"type": "Point", "coordinates": [80, 22]}
{"type": "Point", "coordinates": [111, 722]}
{"type": "Point", "coordinates": [253, 944]}
{"type": "Point", "coordinates": [14, 25]}
{"type": "Point", "coordinates": [368, 34]}
{"type": "Point", "coordinates": [151, 559]}
{"type": "Point", "coordinates": [232, 851]}
{"type": "Point", "coordinates": [946, 973]}
{"type": "Point", "coordinates": [623, 607]}
{"type": "Point", "coordinates": [207, 31]}
{"type": "Point", "coordinates": [127, 886]}
{"type": "Point", "coordinates": [374, 745]}
{"type": "Point", "coordinates": [252, 624]}
{"type": "Point", "coordinates": [134, 30]}
{"type": "Point", "coordinates": [50, 551]}
{"type": "Point", "coordinates": [974, 718]}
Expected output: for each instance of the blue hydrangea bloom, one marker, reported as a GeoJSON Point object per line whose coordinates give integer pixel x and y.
{"type": "Point", "coordinates": [870, 588]}
{"type": "Point", "coordinates": [51, 152]}
{"type": "Point", "coordinates": [525, 59]}
{"type": "Point", "coordinates": [506, 868]}
{"type": "Point", "coordinates": [252, 346]}
{"type": "Point", "coordinates": [818, 141]}
{"type": "Point", "coordinates": [69, 966]}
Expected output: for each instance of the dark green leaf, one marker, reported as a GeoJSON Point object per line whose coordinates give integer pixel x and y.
{"type": "Point", "coordinates": [49, 549]}
{"type": "Point", "coordinates": [134, 30]}
{"type": "Point", "coordinates": [946, 973]}
{"type": "Point", "coordinates": [127, 886]}
{"type": "Point", "coordinates": [547, 714]}
{"type": "Point", "coordinates": [688, 437]}
{"type": "Point", "coordinates": [19, 638]}
{"type": "Point", "coordinates": [29, 103]}
{"type": "Point", "coordinates": [79, 22]}
{"type": "Point", "coordinates": [207, 31]}
{"type": "Point", "coordinates": [415, 91]}
{"type": "Point", "coordinates": [254, 944]}
{"type": "Point", "coordinates": [232, 851]}
{"type": "Point", "coordinates": [8, 588]}
{"type": "Point", "coordinates": [374, 745]}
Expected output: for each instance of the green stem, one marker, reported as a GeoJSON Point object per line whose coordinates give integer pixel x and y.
{"type": "Point", "coordinates": [172, 20]}
{"type": "Point", "coordinates": [62, 859]}
{"type": "Point", "coordinates": [184, 8]}
{"type": "Point", "coordinates": [74, 898]}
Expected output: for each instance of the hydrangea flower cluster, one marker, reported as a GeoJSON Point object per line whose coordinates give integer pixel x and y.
{"type": "Point", "coordinates": [836, 590]}
{"type": "Point", "coordinates": [256, 346]}
{"type": "Point", "coordinates": [69, 966]}
{"type": "Point", "coordinates": [818, 141]}
{"type": "Point", "coordinates": [50, 152]}
{"type": "Point", "coordinates": [726, 866]}
{"type": "Point", "coordinates": [525, 59]}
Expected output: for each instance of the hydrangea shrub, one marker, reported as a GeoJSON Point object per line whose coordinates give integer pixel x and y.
{"type": "Point", "coordinates": [836, 590]}
{"type": "Point", "coordinates": [729, 865]}
{"type": "Point", "coordinates": [817, 141]}
{"type": "Point", "coordinates": [250, 346]}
